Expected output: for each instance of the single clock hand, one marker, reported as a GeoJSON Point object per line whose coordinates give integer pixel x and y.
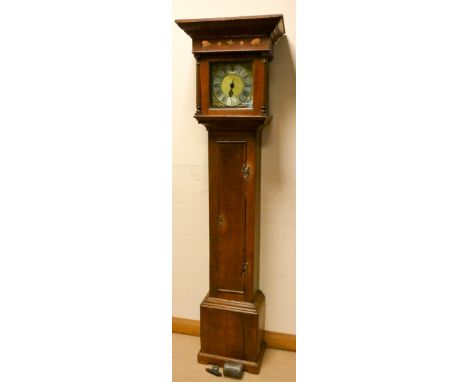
{"type": "Point", "coordinates": [232, 87]}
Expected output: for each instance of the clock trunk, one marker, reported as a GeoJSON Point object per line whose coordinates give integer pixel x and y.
{"type": "Point", "coordinates": [234, 173]}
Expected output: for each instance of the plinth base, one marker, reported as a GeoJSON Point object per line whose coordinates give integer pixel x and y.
{"type": "Point", "coordinates": [232, 331]}
{"type": "Point", "coordinates": [249, 366]}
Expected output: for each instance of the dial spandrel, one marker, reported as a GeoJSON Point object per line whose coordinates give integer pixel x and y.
{"type": "Point", "coordinates": [231, 85]}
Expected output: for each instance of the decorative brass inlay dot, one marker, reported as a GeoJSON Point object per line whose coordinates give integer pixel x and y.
{"type": "Point", "coordinates": [255, 41]}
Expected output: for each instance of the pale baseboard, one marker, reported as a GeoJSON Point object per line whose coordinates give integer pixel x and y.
{"type": "Point", "coordinates": [281, 341]}
{"type": "Point", "coordinates": [185, 326]}
{"type": "Point", "coordinates": [274, 340]}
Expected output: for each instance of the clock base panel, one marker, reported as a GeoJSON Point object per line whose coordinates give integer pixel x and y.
{"type": "Point", "coordinates": [232, 331]}
{"type": "Point", "coordinates": [252, 367]}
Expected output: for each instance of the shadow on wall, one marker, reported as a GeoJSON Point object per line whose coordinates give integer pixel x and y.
{"type": "Point", "coordinates": [281, 131]}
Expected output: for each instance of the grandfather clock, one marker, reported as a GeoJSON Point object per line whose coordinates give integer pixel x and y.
{"type": "Point", "coordinates": [232, 56]}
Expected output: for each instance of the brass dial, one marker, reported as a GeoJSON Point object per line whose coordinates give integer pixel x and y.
{"type": "Point", "coordinates": [231, 85]}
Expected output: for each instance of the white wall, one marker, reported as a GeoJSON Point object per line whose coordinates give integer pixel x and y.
{"type": "Point", "coordinates": [190, 172]}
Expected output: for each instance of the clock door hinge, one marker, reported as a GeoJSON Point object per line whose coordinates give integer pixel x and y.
{"type": "Point", "coordinates": [245, 170]}
{"type": "Point", "coordinates": [245, 268]}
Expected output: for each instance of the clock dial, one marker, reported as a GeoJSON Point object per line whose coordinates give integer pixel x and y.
{"type": "Point", "coordinates": [231, 85]}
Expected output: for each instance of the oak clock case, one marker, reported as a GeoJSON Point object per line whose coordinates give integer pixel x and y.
{"type": "Point", "coordinates": [232, 58]}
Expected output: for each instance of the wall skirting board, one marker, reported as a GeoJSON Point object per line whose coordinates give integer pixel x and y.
{"type": "Point", "coordinates": [274, 340]}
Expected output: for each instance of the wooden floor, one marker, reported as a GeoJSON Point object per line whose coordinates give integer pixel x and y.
{"type": "Point", "coordinates": [277, 366]}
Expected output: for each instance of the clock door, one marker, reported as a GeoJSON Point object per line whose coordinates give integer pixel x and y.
{"type": "Point", "coordinates": [228, 206]}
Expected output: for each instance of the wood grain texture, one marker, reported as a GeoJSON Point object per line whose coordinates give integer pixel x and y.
{"type": "Point", "coordinates": [233, 197]}
{"type": "Point", "coordinates": [233, 45]}
{"type": "Point", "coordinates": [230, 207]}
{"type": "Point", "coordinates": [271, 26]}
{"type": "Point", "coordinates": [232, 329]}
{"type": "Point", "coordinates": [274, 340]}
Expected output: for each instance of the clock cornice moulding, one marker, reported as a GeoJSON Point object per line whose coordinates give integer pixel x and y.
{"type": "Point", "coordinates": [238, 122]}
{"type": "Point", "coordinates": [233, 34]}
